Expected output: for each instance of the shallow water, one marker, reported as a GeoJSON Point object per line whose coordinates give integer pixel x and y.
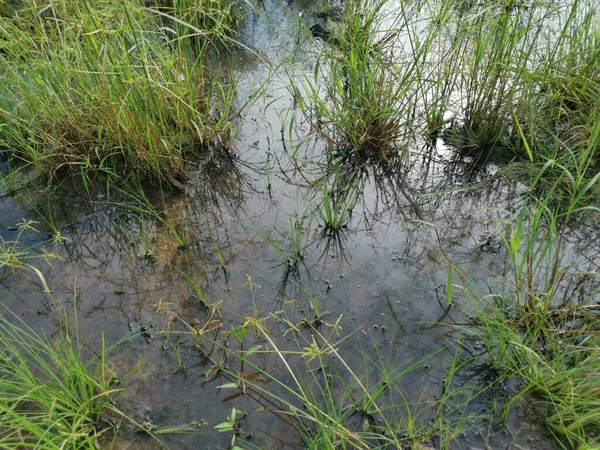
{"type": "Point", "coordinates": [384, 278]}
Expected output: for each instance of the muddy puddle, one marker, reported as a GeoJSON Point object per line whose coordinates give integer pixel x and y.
{"type": "Point", "coordinates": [246, 232]}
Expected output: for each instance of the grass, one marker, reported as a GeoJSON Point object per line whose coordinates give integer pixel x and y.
{"type": "Point", "coordinates": [137, 201]}
{"type": "Point", "coordinates": [500, 41]}
{"type": "Point", "coordinates": [55, 395]}
{"type": "Point", "coordinates": [555, 357]}
{"type": "Point", "coordinates": [541, 325]}
{"type": "Point", "coordinates": [334, 204]}
{"type": "Point", "coordinates": [290, 246]}
{"type": "Point", "coordinates": [130, 91]}
{"type": "Point", "coordinates": [360, 110]}
{"type": "Point", "coordinates": [14, 256]}
{"type": "Point", "coordinates": [480, 76]}
{"type": "Point", "coordinates": [328, 401]}
{"type": "Point", "coordinates": [331, 403]}
{"type": "Point", "coordinates": [112, 88]}
{"type": "Point", "coordinates": [517, 90]}
{"type": "Point", "coordinates": [507, 66]}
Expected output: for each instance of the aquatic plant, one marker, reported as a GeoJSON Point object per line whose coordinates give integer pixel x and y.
{"type": "Point", "coordinates": [332, 404]}
{"type": "Point", "coordinates": [231, 425]}
{"type": "Point", "coordinates": [477, 75]}
{"type": "Point", "coordinates": [57, 393]}
{"type": "Point", "coordinates": [503, 66]}
{"type": "Point", "coordinates": [290, 246]}
{"type": "Point", "coordinates": [500, 42]}
{"type": "Point", "coordinates": [554, 356]}
{"type": "Point", "coordinates": [540, 324]}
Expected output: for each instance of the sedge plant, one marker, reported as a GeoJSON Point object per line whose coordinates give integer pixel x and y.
{"type": "Point", "coordinates": [362, 108]}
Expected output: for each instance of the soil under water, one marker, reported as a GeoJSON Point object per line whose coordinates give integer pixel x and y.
{"type": "Point", "coordinates": [384, 274]}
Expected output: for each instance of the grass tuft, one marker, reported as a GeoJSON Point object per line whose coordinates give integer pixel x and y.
{"type": "Point", "coordinates": [53, 396]}
{"type": "Point", "coordinates": [362, 108]}
{"type": "Point", "coordinates": [111, 87]}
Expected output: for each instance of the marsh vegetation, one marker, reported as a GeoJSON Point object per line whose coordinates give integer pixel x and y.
{"type": "Point", "coordinates": [358, 224]}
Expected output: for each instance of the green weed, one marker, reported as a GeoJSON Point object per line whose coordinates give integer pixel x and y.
{"type": "Point", "coordinates": [107, 87]}
{"type": "Point", "coordinates": [363, 105]}
{"type": "Point", "coordinates": [53, 397]}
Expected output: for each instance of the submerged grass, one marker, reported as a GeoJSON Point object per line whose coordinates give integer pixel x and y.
{"type": "Point", "coordinates": [140, 203]}
{"type": "Point", "coordinates": [112, 87]}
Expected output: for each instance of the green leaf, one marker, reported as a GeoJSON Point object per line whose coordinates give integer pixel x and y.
{"type": "Point", "coordinates": [525, 143]}
{"type": "Point", "coordinates": [449, 286]}
{"type": "Point", "coordinates": [228, 386]}
{"type": "Point", "coordinates": [224, 427]}
{"type": "Point", "coordinates": [254, 349]}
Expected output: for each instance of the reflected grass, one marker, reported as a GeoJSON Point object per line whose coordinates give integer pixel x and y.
{"type": "Point", "coordinates": [14, 256]}
{"type": "Point", "coordinates": [335, 203]}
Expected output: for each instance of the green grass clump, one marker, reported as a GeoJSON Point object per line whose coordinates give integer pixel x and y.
{"type": "Point", "coordinates": [111, 87]}
{"type": "Point", "coordinates": [555, 357]}
{"type": "Point", "coordinates": [52, 397]}
{"type": "Point", "coordinates": [542, 326]}
{"type": "Point", "coordinates": [363, 106]}
{"type": "Point", "coordinates": [199, 18]}
{"type": "Point", "coordinates": [506, 65]}
{"type": "Point", "coordinates": [568, 87]}
{"type": "Point", "coordinates": [497, 41]}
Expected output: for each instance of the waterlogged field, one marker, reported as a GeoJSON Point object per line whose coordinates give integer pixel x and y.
{"type": "Point", "coordinates": [368, 224]}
